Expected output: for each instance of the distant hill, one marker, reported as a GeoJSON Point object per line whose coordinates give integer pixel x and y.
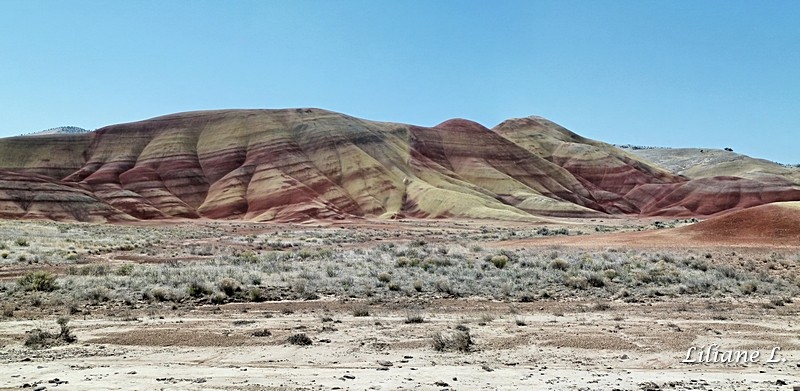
{"type": "Point", "coordinates": [312, 164]}
{"type": "Point", "coordinates": [60, 130]}
{"type": "Point", "coordinates": [706, 162]}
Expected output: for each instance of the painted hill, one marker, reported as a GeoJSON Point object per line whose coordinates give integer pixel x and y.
{"type": "Point", "coordinates": [300, 164]}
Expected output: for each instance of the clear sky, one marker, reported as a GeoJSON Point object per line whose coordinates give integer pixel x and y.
{"type": "Point", "coordinates": [668, 73]}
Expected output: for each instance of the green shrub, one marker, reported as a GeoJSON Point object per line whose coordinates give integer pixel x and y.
{"type": "Point", "coordinates": [21, 242]}
{"type": "Point", "coordinates": [256, 295]}
{"type": "Point", "coordinates": [40, 281]}
{"type": "Point", "coordinates": [499, 261]}
{"type": "Point", "coordinates": [124, 270]}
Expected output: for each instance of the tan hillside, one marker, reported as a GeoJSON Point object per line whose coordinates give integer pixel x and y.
{"type": "Point", "coordinates": [702, 163]}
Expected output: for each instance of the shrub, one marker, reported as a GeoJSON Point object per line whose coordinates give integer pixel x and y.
{"type": "Point", "coordinates": [458, 341]}
{"type": "Point", "coordinates": [499, 261]}
{"type": "Point", "coordinates": [384, 277]}
{"type": "Point", "coordinates": [229, 286]}
{"type": "Point", "coordinates": [577, 282]}
{"type": "Point", "coordinates": [256, 295]}
{"type": "Point", "coordinates": [749, 287]}
{"type": "Point", "coordinates": [21, 242]}
{"type": "Point", "coordinates": [197, 289]}
{"type": "Point", "coordinates": [601, 307]}
{"type": "Point", "coordinates": [262, 333]}
{"type": "Point", "coordinates": [124, 270]}
{"type": "Point", "coordinates": [219, 298]}
{"type": "Point", "coordinates": [418, 285]}
{"type": "Point", "coordinates": [299, 339]}
{"type": "Point", "coordinates": [443, 286]}
{"type": "Point", "coordinates": [596, 280]}
{"type": "Point", "coordinates": [361, 311]}
{"type": "Point", "coordinates": [160, 294]}
{"type": "Point", "coordinates": [40, 281]}
{"type": "Point", "coordinates": [66, 332]}
{"type": "Point", "coordinates": [414, 317]}
{"type": "Point", "coordinates": [38, 338]}
{"type": "Point", "coordinates": [559, 264]}
{"type": "Point", "coordinates": [8, 310]}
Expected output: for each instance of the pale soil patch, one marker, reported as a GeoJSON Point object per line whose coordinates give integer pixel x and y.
{"type": "Point", "coordinates": [624, 347]}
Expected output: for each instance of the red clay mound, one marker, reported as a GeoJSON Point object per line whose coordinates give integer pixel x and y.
{"type": "Point", "coordinates": [709, 196]}
{"type": "Point", "coordinates": [777, 223]}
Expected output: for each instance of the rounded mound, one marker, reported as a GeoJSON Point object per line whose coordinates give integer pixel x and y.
{"type": "Point", "coordinates": [777, 222]}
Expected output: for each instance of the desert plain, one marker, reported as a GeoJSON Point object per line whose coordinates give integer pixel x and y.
{"type": "Point", "coordinates": [410, 304]}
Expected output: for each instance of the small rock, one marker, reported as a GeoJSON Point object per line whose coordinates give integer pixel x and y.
{"type": "Point", "coordinates": [441, 384]}
{"type": "Point", "coordinates": [39, 388]}
{"type": "Point", "coordinates": [385, 363]}
{"type": "Point", "coordinates": [780, 382]}
{"type": "Point", "coordinates": [381, 369]}
{"type": "Point", "coordinates": [349, 377]}
{"type": "Point", "coordinates": [487, 368]}
{"type": "Point", "coordinates": [624, 357]}
{"type": "Point", "coordinates": [131, 373]}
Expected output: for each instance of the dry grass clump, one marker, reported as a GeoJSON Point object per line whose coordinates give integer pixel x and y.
{"type": "Point", "coordinates": [458, 340]}
{"type": "Point", "coordinates": [38, 338]}
{"type": "Point", "coordinates": [299, 339]}
{"type": "Point", "coordinates": [414, 317]}
{"type": "Point", "coordinates": [361, 311]}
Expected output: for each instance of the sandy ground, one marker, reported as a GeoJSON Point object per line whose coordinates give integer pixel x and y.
{"type": "Point", "coordinates": [561, 345]}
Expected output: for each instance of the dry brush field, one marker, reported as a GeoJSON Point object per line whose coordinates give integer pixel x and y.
{"type": "Point", "coordinates": [389, 305]}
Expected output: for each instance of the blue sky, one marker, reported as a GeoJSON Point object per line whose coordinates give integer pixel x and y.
{"type": "Point", "coordinates": [668, 73]}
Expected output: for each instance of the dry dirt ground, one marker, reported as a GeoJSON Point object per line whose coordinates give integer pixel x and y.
{"type": "Point", "coordinates": [591, 340]}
